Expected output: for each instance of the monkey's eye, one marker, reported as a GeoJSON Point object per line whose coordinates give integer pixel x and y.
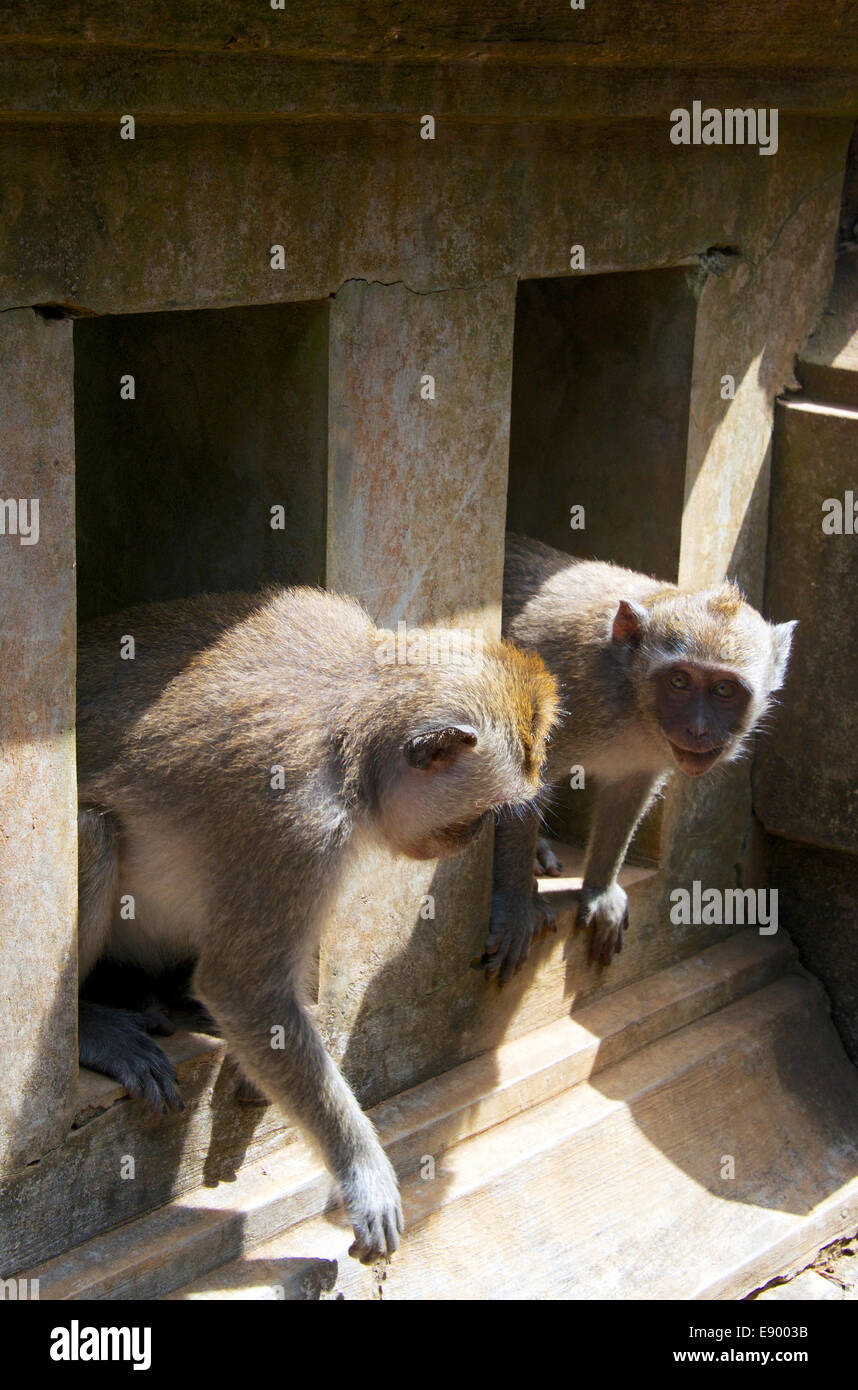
{"type": "Point", "coordinates": [725, 690]}
{"type": "Point", "coordinates": [680, 680]}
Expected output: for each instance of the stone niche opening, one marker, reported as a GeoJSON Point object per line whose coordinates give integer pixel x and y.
{"type": "Point", "coordinates": [601, 387]}
{"type": "Point", "coordinates": [177, 485]}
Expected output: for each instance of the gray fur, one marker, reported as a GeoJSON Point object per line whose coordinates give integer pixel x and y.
{"type": "Point", "coordinates": [175, 752]}
{"type": "Point", "coordinates": [565, 610]}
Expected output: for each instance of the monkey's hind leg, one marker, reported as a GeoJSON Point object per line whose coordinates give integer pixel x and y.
{"type": "Point", "coordinates": [115, 1042]}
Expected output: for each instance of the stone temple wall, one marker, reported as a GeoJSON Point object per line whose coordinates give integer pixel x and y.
{"type": "Point", "coordinates": [292, 377]}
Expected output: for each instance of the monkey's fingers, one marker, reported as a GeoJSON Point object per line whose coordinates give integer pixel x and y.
{"type": "Point", "coordinates": [375, 1237]}
{"type": "Point", "coordinates": [514, 961]}
{"type": "Point", "coordinates": [502, 962]}
{"type": "Point", "coordinates": [607, 941]}
{"type": "Point", "coordinates": [494, 952]}
{"type": "Point", "coordinates": [148, 1074]}
{"type": "Point", "coordinates": [392, 1230]}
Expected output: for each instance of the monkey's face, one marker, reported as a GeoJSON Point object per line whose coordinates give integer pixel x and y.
{"type": "Point", "coordinates": [450, 779]}
{"type": "Point", "coordinates": [447, 787]}
{"type": "Point", "coordinates": [702, 712]}
{"type": "Point", "coordinates": [703, 665]}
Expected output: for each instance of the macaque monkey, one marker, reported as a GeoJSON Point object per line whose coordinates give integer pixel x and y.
{"type": "Point", "coordinates": [226, 771]}
{"type": "Point", "coordinates": [651, 679]}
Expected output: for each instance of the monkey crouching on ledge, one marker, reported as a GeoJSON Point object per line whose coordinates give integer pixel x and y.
{"type": "Point", "coordinates": [225, 774]}
{"type": "Point", "coordinates": [651, 679]}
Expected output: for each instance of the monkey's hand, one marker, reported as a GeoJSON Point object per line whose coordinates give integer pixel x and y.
{"type": "Point", "coordinates": [117, 1043]}
{"type": "Point", "coordinates": [606, 911]}
{"type": "Point", "coordinates": [371, 1194]}
{"type": "Point", "coordinates": [517, 919]}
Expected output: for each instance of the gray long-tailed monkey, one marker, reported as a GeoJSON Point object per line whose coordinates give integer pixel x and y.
{"type": "Point", "coordinates": [651, 679]}
{"type": "Point", "coordinates": [226, 774]}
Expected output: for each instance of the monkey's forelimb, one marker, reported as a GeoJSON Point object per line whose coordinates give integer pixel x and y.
{"type": "Point", "coordinates": [279, 1049]}
{"type": "Point", "coordinates": [518, 913]}
{"type": "Point", "coordinates": [603, 904]}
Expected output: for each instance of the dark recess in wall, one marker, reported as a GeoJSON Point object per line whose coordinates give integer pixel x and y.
{"type": "Point", "coordinates": [175, 487]}
{"type": "Point", "coordinates": [601, 387]}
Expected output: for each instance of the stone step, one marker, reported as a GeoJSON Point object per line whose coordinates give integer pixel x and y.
{"type": "Point", "coordinates": [203, 1229]}
{"type": "Point", "coordinates": [619, 1187]}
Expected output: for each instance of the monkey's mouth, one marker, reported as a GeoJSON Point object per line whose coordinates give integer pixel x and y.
{"type": "Point", "coordinates": [694, 762]}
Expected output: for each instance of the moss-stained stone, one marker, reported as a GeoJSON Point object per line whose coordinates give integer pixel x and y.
{"type": "Point", "coordinates": [610, 33]}
{"type": "Point", "coordinates": [184, 216]}
{"type": "Point", "coordinates": [158, 85]}
{"type": "Point", "coordinates": [38, 955]}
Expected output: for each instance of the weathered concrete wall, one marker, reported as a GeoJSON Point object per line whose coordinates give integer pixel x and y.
{"type": "Point", "coordinates": [413, 1007]}
{"type": "Point", "coordinates": [415, 530]}
{"type": "Point", "coordinates": [38, 952]}
{"type": "Point", "coordinates": [541, 60]}
{"type": "Point", "coordinates": [807, 771]}
{"type": "Point", "coordinates": [175, 487]}
{"type": "Point", "coordinates": [751, 321]}
{"type": "Point", "coordinates": [768, 32]}
{"type": "Point", "coordinates": [818, 905]}
{"type": "Point", "coordinates": [184, 216]}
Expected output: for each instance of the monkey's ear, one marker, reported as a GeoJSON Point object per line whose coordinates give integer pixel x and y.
{"type": "Point", "coordinates": [782, 644]}
{"type": "Point", "coordinates": [628, 621]}
{"type": "Point", "coordinates": [439, 747]}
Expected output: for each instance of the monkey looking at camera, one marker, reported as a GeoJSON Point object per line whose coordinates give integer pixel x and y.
{"type": "Point", "coordinates": [226, 773]}
{"type": "Point", "coordinates": [651, 679]}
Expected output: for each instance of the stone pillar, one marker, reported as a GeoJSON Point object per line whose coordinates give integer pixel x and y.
{"type": "Point", "coordinates": [416, 514]}
{"type": "Point", "coordinates": [740, 366]}
{"type": "Point", "coordinates": [38, 952]}
{"type": "Point", "coordinates": [806, 774]}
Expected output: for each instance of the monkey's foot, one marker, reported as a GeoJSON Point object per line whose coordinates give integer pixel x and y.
{"type": "Point", "coordinates": [371, 1194]}
{"type": "Point", "coordinates": [607, 913]}
{"type": "Point", "coordinates": [547, 860]}
{"type": "Point", "coordinates": [517, 919]}
{"type": "Point", "coordinates": [117, 1043]}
